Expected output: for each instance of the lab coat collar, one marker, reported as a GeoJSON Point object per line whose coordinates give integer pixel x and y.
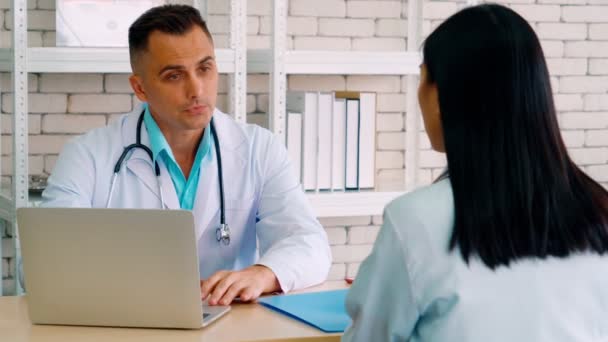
{"type": "Point", "coordinates": [206, 208]}
{"type": "Point", "coordinates": [230, 134]}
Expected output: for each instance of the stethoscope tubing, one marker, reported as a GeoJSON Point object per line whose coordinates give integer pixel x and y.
{"type": "Point", "coordinates": [222, 232]}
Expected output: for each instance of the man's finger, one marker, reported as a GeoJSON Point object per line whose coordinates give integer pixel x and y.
{"type": "Point", "coordinates": [208, 285]}
{"type": "Point", "coordinates": [222, 287]}
{"type": "Point", "coordinates": [234, 290]}
{"type": "Point", "coordinates": [250, 293]}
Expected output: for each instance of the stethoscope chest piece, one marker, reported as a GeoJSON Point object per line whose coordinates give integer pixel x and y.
{"type": "Point", "coordinates": [222, 233]}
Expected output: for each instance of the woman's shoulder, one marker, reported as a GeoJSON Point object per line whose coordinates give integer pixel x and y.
{"type": "Point", "coordinates": [423, 217]}
{"type": "Point", "coordinates": [432, 200]}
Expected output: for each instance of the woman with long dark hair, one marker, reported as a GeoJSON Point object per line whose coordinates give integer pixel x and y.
{"type": "Point", "coordinates": [509, 245]}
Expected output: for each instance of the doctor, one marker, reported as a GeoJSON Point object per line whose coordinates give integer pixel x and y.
{"type": "Point", "coordinates": [273, 241]}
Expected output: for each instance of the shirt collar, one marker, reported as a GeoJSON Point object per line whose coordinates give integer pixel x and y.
{"type": "Point", "coordinates": [158, 143]}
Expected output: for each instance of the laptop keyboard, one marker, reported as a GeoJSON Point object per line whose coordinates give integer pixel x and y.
{"type": "Point", "coordinates": [205, 315]}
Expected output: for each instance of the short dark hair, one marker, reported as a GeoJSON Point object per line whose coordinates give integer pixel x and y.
{"type": "Point", "coordinates": [516, 191]}
{"type": "Point", "coordinates": [171, 19]}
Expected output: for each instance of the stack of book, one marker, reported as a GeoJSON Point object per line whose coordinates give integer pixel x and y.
{"type": "Point", "coordinates": [331, 139]}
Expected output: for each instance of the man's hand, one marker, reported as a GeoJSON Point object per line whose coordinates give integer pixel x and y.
{"type": "Point", "coordinates": [248, 284]}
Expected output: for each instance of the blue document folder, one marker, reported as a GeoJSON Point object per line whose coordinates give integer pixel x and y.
{"type": "Point", "coordinates": [322, 310]}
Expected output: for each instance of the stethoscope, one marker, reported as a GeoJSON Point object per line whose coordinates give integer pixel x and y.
{"type": "Point", "coordinates": [222, 233]}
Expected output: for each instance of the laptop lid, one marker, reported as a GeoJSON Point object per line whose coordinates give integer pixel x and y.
{"type": "Point", "coordinates": [111, 267]}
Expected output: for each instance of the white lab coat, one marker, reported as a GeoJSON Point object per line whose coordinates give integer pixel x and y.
{"type": "Point", "coordinates": [270, 218]}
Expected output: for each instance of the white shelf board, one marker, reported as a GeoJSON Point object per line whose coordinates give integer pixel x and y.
{"type": "Point", "coordinates": [338, 62]}
{"type": "Point", "coordinates": [344, 204]}
{"type": "Point", "coordinates": [331, 204]}
{"type": "Point", "coordinates": [116, 60]}
{"type": "Point", "coordinates": [91, 60]}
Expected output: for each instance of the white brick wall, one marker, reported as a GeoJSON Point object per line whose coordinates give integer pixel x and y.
{"type": "Point", "coordinates": [598, 31]}
{"type": "Point", "coordinates": [38, 103]}
{"type": "Point", "coordinates": [552, 48]}
{"type": "Point", "coordinates": [345, 221]}
{"type": "Point", "coordinates": [373, 9]}
{"type": "Point", "coordinates": [589, 156]}
{"type": "Point", "coordinates": [561, 31]}
{"type": "Point", "coordinates": [389, 160]}
{"type": "Point", "coordinates": [573, 138]}
{"type": "Point", "coordinates": [539, 13]}
{"type": "Point", "coordinates": [321, 43]}
{"type": "Point", "coordinates": [596, 102]}
{"type": "Point", "coordinates": [585, 14]}
{"type": "Point", "coordinates": [438, 9]}
{"type": "Point", "coordinates": [565, 102]}
{"type": "Point", "coordinates": [598, 172]}
{"type": "Point", "coordinates": [302, 26]}
{"type": "Point", "coordinates": [319, 83]}
{"type": "Point", "coordinates": [36, 20]}
{"type": "Point", "coordinates": [573, 33]}
{"type": "Point", "coordinates": [96, 103]}
{"type": "Point", "coordinates": [337, 271]}
{"type": "Point", "coordinates": [317, 8]}
{"type": "Point", "coordinates": [391, 28]}
{"type": "Point", "coordinates": [391, 140]}
{"type": "Point", "coordinates": [379, 44]}
{"type": "Point", "coordinates": [598, 66]}
{"type": "Point", "coordinates": [336, 236]}
{"type": "Point", "coordinates": [346, 27]}
{"type": "Point", "coordinates": [362, 235]}
{"type": "Point", "coordinates": [583, 120]}
{"type": "Point", "coordinates": [71, 83]}
{"type": "Point", "coordinates": [596, 137]}
{"type": "Point", "coordinates": [33, 124]}
{"type": "Point", "coordinates": [389, 122]}
{"type": "Point", "coordinates": [584, 84]}
{"type": "Point", "coordinates": [567, 66]}
{"type": "Point", "coordinates": [586, 49]}
{"type": "Point", "coordinates": [350, 253]}
{"type": "Point", "coordinates": [71, 123]}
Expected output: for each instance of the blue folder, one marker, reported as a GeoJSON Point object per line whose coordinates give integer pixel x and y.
{"type": "Point", "coordinates": [322, 310]}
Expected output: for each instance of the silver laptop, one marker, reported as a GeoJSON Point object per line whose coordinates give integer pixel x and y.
{"type": "Point", "coordinates": [112, 267]}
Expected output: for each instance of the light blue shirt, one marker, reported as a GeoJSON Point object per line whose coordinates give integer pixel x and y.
{"type": "Point", "coordinates": [184, 188]}
{"type": "Point", "coordinates": [412, 288]}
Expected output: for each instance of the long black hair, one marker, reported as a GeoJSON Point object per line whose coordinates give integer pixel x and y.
{"type": "Point", "coordinates": [516, 191]}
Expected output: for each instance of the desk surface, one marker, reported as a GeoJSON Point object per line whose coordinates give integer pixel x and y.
{"type": "Point", "coordinates": [245, 322]}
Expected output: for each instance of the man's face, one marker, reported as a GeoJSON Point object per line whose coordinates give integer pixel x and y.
{"type": "Point", "coordinates": [177, 76]}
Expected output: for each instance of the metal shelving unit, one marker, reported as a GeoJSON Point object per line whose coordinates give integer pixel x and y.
{"type": "Point", "coordinates": [21, 60]}
{"type": "Point", "coordinates": [236, 61]}
{"type": "Point", "coordinates": [280, 62]}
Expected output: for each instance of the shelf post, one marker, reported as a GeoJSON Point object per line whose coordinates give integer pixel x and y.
{"type": "Point", "coordinates": [20, 181]}
{"type": "Point", "coordinates": [278, 79]}
{"type": "Point", "coordinates": [412, 123]}
{"type": "Point", "coordinates": [238, 41]}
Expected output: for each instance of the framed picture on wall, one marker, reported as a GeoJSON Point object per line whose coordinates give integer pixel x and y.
{"type": "Point", "coordinates": [98, 23]}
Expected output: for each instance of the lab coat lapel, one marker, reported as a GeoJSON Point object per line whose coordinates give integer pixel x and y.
{"type": "Point", "coordinates": [206, 206]}
{"type": "Point", "coordinates": [169, 193]}
{"type": "Point", "coordinates": [233, 151]}
{"type": "Point", "coordinates": [141, 165]}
